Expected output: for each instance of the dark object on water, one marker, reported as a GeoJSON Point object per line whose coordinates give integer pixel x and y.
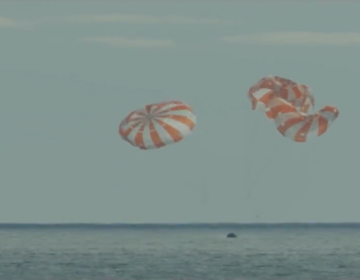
{"type": "Point", "coordinates": [231, 235]}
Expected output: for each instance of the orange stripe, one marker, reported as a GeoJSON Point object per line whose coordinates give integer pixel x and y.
{"type": "Point", "coordinates": [172, 131]}
{"type": "Point", "coordinates": [323, 125]}
{"type": "Point", "coordinates": [125, 133]}
{"type": "Point", "coordinates": [297, 91]}
{"type": "Point", "coordinates": [269, 114]}
{"type": "Point", "coordinates": [331, 109]}
{"type": "Point", "coordinates": [183, 119]}
{"type": "Point", "coordinates": [284, 93]}
{"type": "Point", "coordinates": [139, 140]}
{"type": "Point", "coordinates": [301, 134]}
{"type": "Point", "coordinates": [154, 135]}
{"type": "Point", "coordinates": [280, 106]}
{"type": "Point", "coordinates": [266, 97]}
{"type": "Point", "coordinates": [282, 109]}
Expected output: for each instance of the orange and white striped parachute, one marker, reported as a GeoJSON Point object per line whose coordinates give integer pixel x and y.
{"type": "Point", "coordinates": [299, 126]}
{"type": "Point", "coordinates": [270, 87]}
{"type": "Point", "coordinates": [157, 125]}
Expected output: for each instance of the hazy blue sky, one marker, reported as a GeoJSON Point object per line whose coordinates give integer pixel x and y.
{"type": "Point", "coordinates": [71, 71]}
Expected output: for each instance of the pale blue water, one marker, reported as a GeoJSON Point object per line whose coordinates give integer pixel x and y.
{"type": "Point", "coordinates": [179, 252]}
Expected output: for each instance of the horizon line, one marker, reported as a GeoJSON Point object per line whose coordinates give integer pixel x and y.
{"type": "Point", "coordinates": [184, 225]}
{"type": "Point", "coordinates": [171, 223]}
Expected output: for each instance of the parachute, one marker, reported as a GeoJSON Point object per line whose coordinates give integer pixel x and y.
{"type": "Point", "coordinates": [157, 125]}
{"type": "Point", "coordinates": [299, 126]}
{"type": "Point", "coordinates": [290, 106]}
{"type": "Point", "coordinates": [270, 87]}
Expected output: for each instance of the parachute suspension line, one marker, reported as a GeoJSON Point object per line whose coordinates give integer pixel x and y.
{"type": "Point", "coordinates": [249, 159]}
{"type": "Point", "coordinates": [290, 105]}
{"type": "Point", "coordinates": [305, 171]}
{"type": "Point", "coordinates": [269, 160]}
{"type": "Point", "coordinates": [248, 163]}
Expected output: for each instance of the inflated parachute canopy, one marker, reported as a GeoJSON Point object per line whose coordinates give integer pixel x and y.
{"type": "Point", "coordinates": [297, 125]}
{"type": "Point", "coordinates": [271, 87]}
{"type": "Point", "coordinates": [157, 125]}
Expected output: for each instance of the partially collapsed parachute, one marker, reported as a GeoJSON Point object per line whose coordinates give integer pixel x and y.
{"type": "Point", "coordinates": [299, 126]}
{"type": "Point", "coordinates": [290, 105]}
{"type": "Point", "coordinates": [274, 86]}
{"type": "Point", "coordinates": [158, 125]}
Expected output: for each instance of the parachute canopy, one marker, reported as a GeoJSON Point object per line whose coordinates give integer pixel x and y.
{"type": "Point", "coordinates": [274, 86]}
{"type": "Point", "coordinates": [299, 126]}
{"type": "Point", "coordinates": [157, 125]}
{"type": "Point", "coordinates": [290, 106]}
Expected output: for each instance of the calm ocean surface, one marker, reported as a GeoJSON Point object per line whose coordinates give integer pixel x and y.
{"type": "Point", "coordinates": [72, 252]}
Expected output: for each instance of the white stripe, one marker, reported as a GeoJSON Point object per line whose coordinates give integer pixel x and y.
{"type": "Point", "coordinates": [291, 132]}
{"type": "Point", "coordinates": [291, 94]}
{"type": "Point", "coordinates": [165, 107]}
{"type": "Point", "coordinates": [314, 129]}
{"type": "Point", "coordinates": [282, 118]}
{"type": "Point", "coordinates": [330, 116]}
{"type": "Point", "coordinates": [258, 95]}
{"type": "Point", "coordinates": [146, 136]}
{"type": "Point", "coordinates": [132, 134]}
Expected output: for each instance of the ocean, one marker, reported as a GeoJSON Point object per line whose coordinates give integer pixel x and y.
{"type": "Point", "coordinates": [283, 251]}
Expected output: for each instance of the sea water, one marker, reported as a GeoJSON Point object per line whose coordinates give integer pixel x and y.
{"type": "Point", "coordinates": [71, 252]}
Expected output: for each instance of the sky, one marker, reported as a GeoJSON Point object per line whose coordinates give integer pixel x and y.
{"type": "Point", "coordinates": [72, 70]}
